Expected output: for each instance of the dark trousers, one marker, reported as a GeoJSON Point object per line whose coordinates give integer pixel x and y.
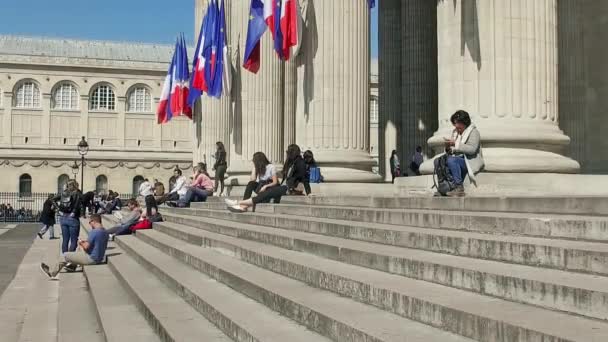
{"type": "Point", "coordinates": [273, 193]}
{"type": "Point", "coordinates": [194, 195]}
{"type": "Point", "coordinates": [150, 203]}
{"type": "Point", "coordinates": [121, 229]}
{"type": "Point", "coordinates": [220, 173]}
{"type": "Point", "coordinates": [307, 187]}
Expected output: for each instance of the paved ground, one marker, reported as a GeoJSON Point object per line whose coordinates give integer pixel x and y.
{"type": "Point", "coordinates": [15, 240]}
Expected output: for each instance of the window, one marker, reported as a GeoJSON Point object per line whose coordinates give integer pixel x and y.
{"type": "Point", "coordinates": [62, 183]}
{"type": "Point", "coordinates": [103, 99]}
{"type": "Point", "coordinates": [137, 180]}
{"type": "Point", "coordinates": [172, 182]}
{"type": "Point", "coordinates": [65, 97]}
{"type": "Point", "coordinates": [373, 110]}
{"type": "Point", "coordinates": [27, 95]}
{"type": "Point", "coordinates": [139, 101]}
{"type": "Point", "coordinates": [101, 185]}
{"type": "Point", "coordinates": [25, 185]}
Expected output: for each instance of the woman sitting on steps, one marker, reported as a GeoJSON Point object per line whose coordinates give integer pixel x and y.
{"type": "Point", "coordinates": [264, 182]}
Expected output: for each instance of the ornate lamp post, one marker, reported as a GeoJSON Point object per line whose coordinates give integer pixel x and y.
{"type": "Point", "coordinates": [83, 149]}
{"type": "Point", "coordinates": [75, 168]}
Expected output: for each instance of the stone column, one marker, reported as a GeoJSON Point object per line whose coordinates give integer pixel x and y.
{"type": "Point", "coordinates": [291, 97]}
{"type": "Point", "coordinates": [498, 61]}
{"type": "Point", "coordinates": [211, 116]}
{"type": "Point", "coordinates": [7, 124]}
{"type": "Point", "coordinates": [389, 70]}
{"type": "Point", "coordinates": [333, 106]}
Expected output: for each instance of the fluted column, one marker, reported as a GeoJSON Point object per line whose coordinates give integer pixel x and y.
{"type": "Point", "coordinates": [211, 116]}
{"type": "Point", "coordinates": [497, 59]}
{"type": "Point", "coordinates": [333, 106]}
{"type": "Point", "coordinates": [291, 96]}
{"type": "Point", "coordinates": [258, 100]}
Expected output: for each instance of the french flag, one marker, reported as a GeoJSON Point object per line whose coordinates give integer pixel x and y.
{"type": "Point", "coordinates": [219, 68]}
{"type": "Point", "coordinates": [211, 43]}
{"type": "Point", "coordinates": [198, 83]}
{"type": "Point", "coordinates": [283, 17]}
{"type": "Point", "coordinates": [173, 101]}
{"type": "Point", "coordinates": [255, 31]}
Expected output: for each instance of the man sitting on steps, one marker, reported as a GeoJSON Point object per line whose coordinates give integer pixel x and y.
{"type": "Point", "coordinates": [91, 252]}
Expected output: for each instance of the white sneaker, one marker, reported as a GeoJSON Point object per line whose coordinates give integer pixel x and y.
{"type": "Point", "coordinates": [231, 203]}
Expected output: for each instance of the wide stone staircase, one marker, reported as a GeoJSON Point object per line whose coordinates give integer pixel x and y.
{"type": "Point", "coordinates": [362, 269]}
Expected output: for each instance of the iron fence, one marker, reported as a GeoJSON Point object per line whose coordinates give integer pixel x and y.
{"type": "Point", "coordinates": [20, 207]}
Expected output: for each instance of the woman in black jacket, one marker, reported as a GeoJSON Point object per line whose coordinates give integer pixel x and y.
{"type": "Point", "coordinates": [47, 218]}
{"type": "Point", "coordinates": [70, 207]}
{"type": "Point", "coordinates": [294, 170]}
{"type": "Point", "coordinates": [220, 167]}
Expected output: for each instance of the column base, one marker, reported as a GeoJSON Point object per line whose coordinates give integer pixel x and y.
{"type": "Point", "coordinates": [515, 184]}
{"type": "Point", "coordinates": [520, 160]}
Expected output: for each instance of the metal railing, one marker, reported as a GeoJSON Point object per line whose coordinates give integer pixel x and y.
{"type": "Point", "coordinates": [22, 207]}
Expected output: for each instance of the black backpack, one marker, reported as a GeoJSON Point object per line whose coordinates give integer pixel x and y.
{"type": "Point", "coordinates": [442, 178]}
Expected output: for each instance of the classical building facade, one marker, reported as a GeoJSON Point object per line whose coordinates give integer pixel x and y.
{"type": "Point", "coordinates": [531, 73]}
{"type": "Point", "coordinates": [55, 91]}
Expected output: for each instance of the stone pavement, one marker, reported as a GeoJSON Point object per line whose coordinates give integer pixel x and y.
{"type": "Point", "coordinates": [15, 241]}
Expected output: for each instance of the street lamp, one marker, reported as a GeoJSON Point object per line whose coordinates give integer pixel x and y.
{"type": "Point", "coordinates": [75, 168]}
{"type": "Point", "coordinates": [83, 149]}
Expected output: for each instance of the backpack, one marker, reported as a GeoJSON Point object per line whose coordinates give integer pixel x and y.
{"type": "Point", "coordinates": [442, 178]}
{"type": "Point", "coordinates": [315, 175]}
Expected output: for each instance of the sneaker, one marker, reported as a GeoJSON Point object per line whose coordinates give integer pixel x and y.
{"type": "Point", "coordinates": [457, 192]}
{"type": "Point", "coordinates": [40, 235]}
{"type": "Point", "coordinates": [71, 267]}
{"type": "Point", "coordinates": [112, 237]}
{"type": "Point", "coordinates": [236, 209]}
{"type": "Point", "coordinates": [231, 203]}
{"type": "Point", "coordinates": [45, 269]}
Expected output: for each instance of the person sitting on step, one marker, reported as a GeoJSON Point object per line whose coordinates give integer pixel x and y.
{"type": "Point", "coordinates": [200, 189]}
{"type": "Point", "coordinates": [464, 152]}
{"type": "Point", "coordinates": [294, 171]}
{"type": "Point", "coordinates": [92, 251]}
{"type": "Point", "coordinates": [264, 182]}
{"type": "Point", "coordinates": [179, 190]}
{"type": "Point", "coordinates": [124, 227]}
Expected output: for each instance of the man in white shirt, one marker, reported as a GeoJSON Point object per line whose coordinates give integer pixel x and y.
{"type": "Point", "coordinates": [146, 190]}
{"type": "Point", "coordinates": [180, 188]}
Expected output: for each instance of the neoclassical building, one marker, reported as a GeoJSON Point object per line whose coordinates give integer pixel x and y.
{"type": "Point", "coordinates": [531, 73]}
{"type": "Point", "coordinates": [55, 91]}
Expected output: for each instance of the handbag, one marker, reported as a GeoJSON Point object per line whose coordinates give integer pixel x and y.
{"type": "Point", "coordinates": [315, 175]}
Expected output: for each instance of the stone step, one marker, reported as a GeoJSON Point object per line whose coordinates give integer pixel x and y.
{"type": "Point", "coordinates": [116, 308]}
{"type": "Point", "coordinates": [335, 317]}
{"type": "Point", "coordinates": [569, 255]}
{"type": "Point", "coordinates": [548, 205]}
{"type": "Point", "coordinates": [77, 317]}
{"type": "Point", "coordinates": [171, 317]}
{"type": "Point", "coordinates": [240, 318]}
{"type": "Point", "coordinates": [478, 317]}
{"type": "Point", "coordinates": [591, 228]}
{"type": "Point", "coordinates": [579, 293]}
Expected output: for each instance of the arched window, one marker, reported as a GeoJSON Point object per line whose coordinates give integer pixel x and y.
{"type": "Point", "coordinates": [65, 96]}
{"type": "Point", "coordinates": [101, 185]}
{"type": "Point", "coordinates": [62, 183]}
{"type": "Point", "coordinates": [27, 95]}
{"type": "Point", "coordinates": [103, 98]}
{"type": "Point", "coordinates": [139, 100]}
{"type": "Point", "coordinates": [172, 182]}
{"type": "Point", "coordinates": [137, 180]}
{"type": "Point", "coordinates": [25, 185]}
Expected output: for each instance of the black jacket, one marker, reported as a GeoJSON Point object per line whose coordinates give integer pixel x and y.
{"type": "Point", "coordinates": [70, 203]}
{"type": "Point", "coordinates": [296, 173]}
{"type": "Point", "coordinates": [220, 159]}
{"type": "Point", "coordinates": [47, 216]}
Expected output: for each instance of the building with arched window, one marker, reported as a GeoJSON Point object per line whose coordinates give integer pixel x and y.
{"type": "Point", "coordinates": [62, 182]}
{"type": "Point", "coordinates": [25, 185]}
{"type": "Point", "coordinates": [55, 91]}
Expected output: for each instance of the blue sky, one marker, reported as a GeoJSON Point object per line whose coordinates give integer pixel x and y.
{"type": "Point", "coordinates": [151, 21]}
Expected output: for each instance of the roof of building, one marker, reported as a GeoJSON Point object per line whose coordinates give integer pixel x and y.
{"type": "Point", "coordinates": [87, 49]}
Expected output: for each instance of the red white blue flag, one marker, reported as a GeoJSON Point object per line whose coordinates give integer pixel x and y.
{"type": "Point", "coordinates": [255, 31]}
{"type": "Point", "coordinates": [173, 100]}
{"type": "Point", "coordinates": [283, 17]}
{"type": "Point", "coordinates": [198, 84]}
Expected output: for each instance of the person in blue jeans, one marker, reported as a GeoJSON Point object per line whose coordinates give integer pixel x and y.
{"type": "Point", "coordinates": [92, 251]}
{"type": "Point", "coordinates": [70, 206]}
{"type": "Point", "coordinates": [464, 151]}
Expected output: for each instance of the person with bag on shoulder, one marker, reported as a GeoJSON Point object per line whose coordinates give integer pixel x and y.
{"type": "Point", "coordinates": [463, 154]}
{"type": "Point", "coordinates": [294, 171]}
